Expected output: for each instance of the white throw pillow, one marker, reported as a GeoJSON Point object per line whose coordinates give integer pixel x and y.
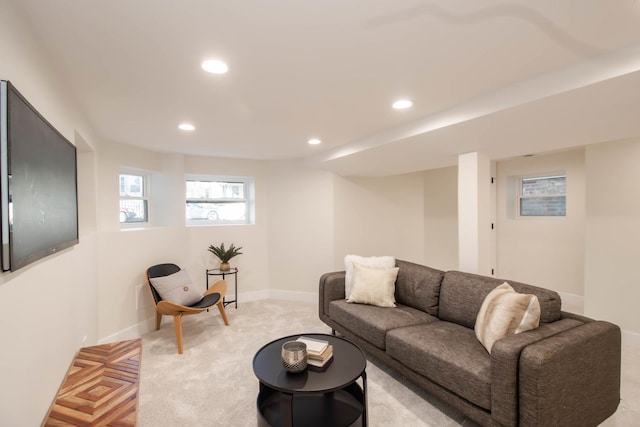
{"type": "Point", "coordinates": [505, 312]}
{"type": "Point", "coordinates": [374, 261]}
{"type": "Point", "coordinates": [177, 287]}
{"type": "Point", "coordinates": [374, 285]}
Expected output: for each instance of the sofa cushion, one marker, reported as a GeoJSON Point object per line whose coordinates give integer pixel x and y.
{"type": "Point", "coordinates": [372, 261]}
{"type": "Point", "coordinates": [418, 286]}
{"type": "Point", "coordinates": [462, 294]}
{"type": "Point", "coordinates": [373, 285]}
{"type": "Point", "coordinates": [371, 323]}
{"type": "Point", "coordinates": [506, 312]}
{"type": "Point", "coordinates": [449, 355]}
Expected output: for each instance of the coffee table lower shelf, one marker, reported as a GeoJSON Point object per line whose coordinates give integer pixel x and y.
{"type": "Point", "coordinates": [339, 408]}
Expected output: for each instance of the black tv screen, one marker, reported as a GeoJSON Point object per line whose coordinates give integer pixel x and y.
{"type": "Point", "coordinates": [38, 184]}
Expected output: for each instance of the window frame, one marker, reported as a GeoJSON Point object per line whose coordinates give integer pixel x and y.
{"type": "Point", "coordinates": [520, 195]}
{"type": "Point", "coordinates": [146, 197]}
{"type": "Point", "coordinates": [248, 199]}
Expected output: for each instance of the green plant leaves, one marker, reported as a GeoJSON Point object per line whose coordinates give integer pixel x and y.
{"type": "Point", "coordinates": [225, 254]}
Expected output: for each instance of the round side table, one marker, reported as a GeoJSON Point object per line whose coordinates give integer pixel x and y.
{"type": "Point", "coordinates": [316, 397]}
{"type": "Point", "coordinates": [217, 272]}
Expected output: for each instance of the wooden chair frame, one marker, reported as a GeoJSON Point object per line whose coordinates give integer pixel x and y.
{"type": "Point", "coordinates": [168, 308]}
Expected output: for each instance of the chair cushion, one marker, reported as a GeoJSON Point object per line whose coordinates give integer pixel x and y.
{"type": "Point", "coordinates": [207, 301]}
{"type": "Point", "coordinates": [448, 354]}
{"type": "Point", "coordinates": [371, 323]}
{"type": "Point", "coordinates": [177, 288]}
{"type": "Point", "coordinates": [373, 285]}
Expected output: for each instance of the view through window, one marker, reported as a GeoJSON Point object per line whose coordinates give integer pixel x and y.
{"type": "Point", "coordinates": [133, 198]}
{"type": "Point", "coordinates": [217, 200]}
{"type": "Point", "coordinates": [543, 196]}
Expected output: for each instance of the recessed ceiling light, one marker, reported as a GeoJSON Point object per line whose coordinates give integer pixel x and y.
{"type": "Point", "coordinates": [215, 66]}
{"type": "Point", "coordinates": [402, 104]}
{"type": "Point", "coordinates": [314, 141]}
{"type": "Point", "coordinates": [186, 126]}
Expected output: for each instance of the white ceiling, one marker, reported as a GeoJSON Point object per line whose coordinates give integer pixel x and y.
{"type": "Point", "coordinates": [506, 78]}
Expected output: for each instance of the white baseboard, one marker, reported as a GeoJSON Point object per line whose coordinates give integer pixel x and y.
{"type": "Point", "coordinates": [631, 339]}
{"type": "Point", "coordinates": [575, 304]}
{"type": "Point", "coordinates": [278, 295]}
{"type": "Point", "coordinates": [572, 303]}
{"type": "Point", "coordinates": [130, 333]}
{"type": "Point", "coordinates": [139, 329]}
{"type": "Point", "coordinates": [252, 296]}
{"type": "Point", "coordinates": [294, 296]}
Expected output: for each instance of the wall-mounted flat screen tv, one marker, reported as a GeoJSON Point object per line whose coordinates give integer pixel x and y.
{"type": "Point", "coordinates": [38, 184]}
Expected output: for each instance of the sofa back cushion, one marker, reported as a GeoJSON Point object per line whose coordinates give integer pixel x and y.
{"type": "Point", "coordinates": [462, 294]}
{"type": "Point", "coordinates": [418, 286]}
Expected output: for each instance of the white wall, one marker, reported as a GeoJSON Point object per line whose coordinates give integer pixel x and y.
{"type": "Point", "coordinates": [613, 233]}
{"type": "Point", "coordinates": [441, 218]}
{"type": "Point", "coordinates": [474, 213]}
{"type": "Point", "coordinates": [301, 220]}
{"type": "Point", "coordinates": [547, 252]}
{"type": "Point", "coordinates": [306, 222]}
{"type": "Point", "coordinates": [48, 307]}
{"type": "Point", "coordinates": [379, 216]}
{"type": "Point", "coordinates": [124, 255]}
{"type": "Point", "coordinates": [126, 309]}
{"type": "Point", "coordinates": [110, 157]}
{"type": "Point", "coordinates": [253, 264]}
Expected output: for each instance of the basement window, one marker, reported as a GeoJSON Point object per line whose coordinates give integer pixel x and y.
{"type": "Point", "coordinates": [543, 196]}
{"type": "Point", "coordinates": [219, 200]}
{"type": "Point", "coordinates": [134, 199]}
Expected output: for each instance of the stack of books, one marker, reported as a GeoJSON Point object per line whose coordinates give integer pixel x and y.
{"type": "Point", "coordinates": [319, 352]}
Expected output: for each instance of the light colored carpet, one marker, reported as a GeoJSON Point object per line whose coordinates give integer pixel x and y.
{"type": "Point", "coordinates": [212, 383]}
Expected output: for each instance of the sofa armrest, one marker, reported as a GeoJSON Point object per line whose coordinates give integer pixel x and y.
{"type": "Point", "coordinates": [331, 288]}
{"type": "Point", "coordinates": [572, 378]}
{"type": "Point", "coordinates": [505, 358]}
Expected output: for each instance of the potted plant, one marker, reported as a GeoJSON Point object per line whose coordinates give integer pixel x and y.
{"type": "Point", "coordinates": [224, 254]}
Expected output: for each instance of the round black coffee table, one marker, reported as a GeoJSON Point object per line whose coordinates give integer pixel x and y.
{"type": "Point", "coordinates": [330, 396]}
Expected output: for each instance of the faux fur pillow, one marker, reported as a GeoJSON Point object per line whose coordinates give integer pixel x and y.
{"type": "Point", "coordinates": [373, 261]}
{"type": "Point", "coordinates": [373, 285]}
{"type": "Point", "coordinates": [177, 287]}
{"type": "Point", "coordinates": [505, 312]}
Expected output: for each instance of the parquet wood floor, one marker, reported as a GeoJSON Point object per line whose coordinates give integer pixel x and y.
{"type": "Point", "coordinates": [101, 388]}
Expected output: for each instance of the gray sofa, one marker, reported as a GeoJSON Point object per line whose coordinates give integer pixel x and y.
{"type": "Point", "coordinates": [564, 373]}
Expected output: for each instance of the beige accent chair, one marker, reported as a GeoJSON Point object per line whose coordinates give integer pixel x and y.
{"type": "Point", "coordinates": [213, 296]}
